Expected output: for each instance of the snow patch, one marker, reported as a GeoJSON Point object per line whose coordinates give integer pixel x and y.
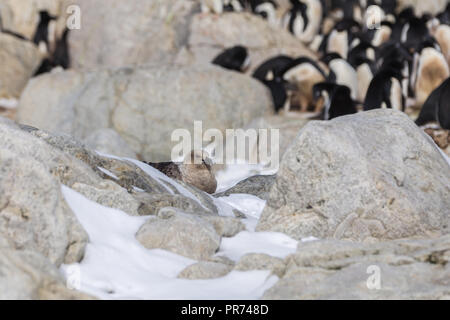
{"type": "Point", "coordinates": [117, 266]}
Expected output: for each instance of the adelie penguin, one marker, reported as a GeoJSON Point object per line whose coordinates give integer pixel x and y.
{"type": "Point", "coordinates": [437, 107]}
{"type": "Point", "coordinates": [304, 19]}
{"type": "Point", "coordinates": [45, 32]}
{"type": "Point", "coordinates": [60, 57]}
{"type": "Point", "coordinates": [265, 9]}
{"type": "Point", "coordinates": [341, 72]}
{"type": "Point", "coordinates": [270, 73]}
{"type": "Point", "coordinates": [336, 100]}
{"type": "Point", "coordinates": [339, 39]}
{"type": "Point", "coordinates": [235, 58]}
{"type": "Point", "coordinates": [385, 91]}
{"type": "Point", "coordinates": [196, 170]}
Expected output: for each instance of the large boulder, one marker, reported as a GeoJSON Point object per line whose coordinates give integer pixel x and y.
{"type": "Point", "coordinates": [19, 60]}
{"type": "Point", "coordinates": [331, 269]}
{"type": "Point", "coordinates": [370, 176]}
{"type": "Point", "coordinates": [33, 213]}
{"type": "Point", "coordinates": [143, 105]}
{"type": "Point", "coordinates": [29, 275]}
{"type": "Point", "coordinates": [116, 33]}
{"type": "Point", "coordinates": [180, 233]}
{"type": "Point", "coordinates": [108, 141]}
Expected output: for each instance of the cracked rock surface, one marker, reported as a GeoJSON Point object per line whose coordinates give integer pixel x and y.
{"type": "Point", "coordinates": [366, 177]}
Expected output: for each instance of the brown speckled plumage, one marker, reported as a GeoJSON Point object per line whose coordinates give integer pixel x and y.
{"type": "Point", "coordinates": [199, 175]}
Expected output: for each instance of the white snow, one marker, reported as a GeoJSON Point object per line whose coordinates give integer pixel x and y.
{"type": "Point", "coordinates": [248, 204]}
{"type": "Point", "coordinates": [117, 266]}
{"type": "Point", "coordinates": [271, 243]}
{"type": "Point", "coordinates": [234, 173]}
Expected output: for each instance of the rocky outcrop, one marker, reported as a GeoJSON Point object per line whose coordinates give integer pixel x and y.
{"type": "Point", "coordinates": [143, 105]}
{"type": "Point", "coordinates": [115, 33]}
{"type": "Point", "coordinates": [33, 213]}
{"type": "Point", "coordinates": [288, 125]}
{"type": "Point", "coordinates": [260, 261]}
{"type": "Point", "coordinates": [29, 275]}
{"type": "Point", "coordinates": [402, 269]}
{"type": "Point", "coordinates": [19, 60]}
{"type": "Point", "coordinates": [108, 141]}
{"type": "Point", "coordinates": [180, 233]}
{"type": "Point", "coordinates": [370, 176]}
{"type": "Point", "coordinates": [205, 270]}
{"type": "Point", "coordinates": [258, 186]}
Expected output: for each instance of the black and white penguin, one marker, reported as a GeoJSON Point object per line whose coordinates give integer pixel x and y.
{"type": "Point", "coordinates": [233, 5]}
{"type": "Point", "coordinates": [60, 57]}
{"type": "Point", "coordinates": [414, 32]}
{"type": "Point", "coordinates": [270, 73]}
{"type": "Point", "coordinates": [395, 56]}
{"type": "Point", "coordinates": [235, 58]}
{"type": "Point", "coordinates": [437, 107]}
{"type": "Point", "coordinates": [343, 9]}
{"type": "Point", "coordinates": [266, 9]}
{"type": "Point", "coordinates": [340, 37]}
{"type": "Point", "coordinates": [385, 91]}
{"type": "Point", "coordinates": [443, 110]}
{"type": "Point", "coordinates": [45, 32]}
{"type": "Point", "coordinates": [401, 20]}
{"type": "Point", "coordinates": [302, 74]}
{"type": "Point", "coordinates": [341, 72]}
{"type": "Point", "coordinates": [365, 70]}
{"type": "Point", "coordinates": [304, 19]}
{"type": "Point", "coordinates": [336, 100]}
{"type": "Point", "coordinates": [363, 50]}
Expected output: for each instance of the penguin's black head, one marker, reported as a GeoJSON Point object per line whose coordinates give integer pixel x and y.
{"type": "Point", "coordinates": [45, 17]}
{"type": "Point", "coordinates": [235, 58]}
{"type": "Point", "coordinates": [428, 42]}
{"type": "Point", "coordinates": [264, 8]}
{"type": "Point", "coordinates": [272, 68]}
{"type": "Point", "coordinates": [406, 14]}
{"type": "Point", "coordinates": [330, 57]}
{"type": "Point", "coordinates": [348, 24]}
{"type": "Point", "coordinates": [321, 87]}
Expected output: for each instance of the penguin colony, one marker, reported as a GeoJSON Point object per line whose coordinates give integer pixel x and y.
{"type": "Point", "coordinates": [370, 55]}
{"type": "Point", "coordinates": [53, 48]}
